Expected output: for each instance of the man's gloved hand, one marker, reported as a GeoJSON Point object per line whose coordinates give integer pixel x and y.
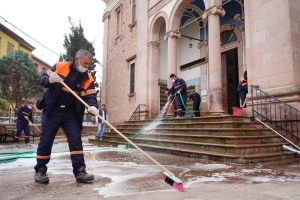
{"type": "Point", "coordinates": [178, 91]}
{"type": "Point", "coordinates": [54, 77]}
{"type": "Point", "coordinates": [93, 110]}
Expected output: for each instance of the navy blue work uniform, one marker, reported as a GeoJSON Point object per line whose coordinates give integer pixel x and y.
{"type": "Point", "coordinates": [62, 109]}
{"type": "Point", "coordinates": [242, 90]}
{"type": "Point", "coordinates": [22, 123]}
{"type": "Point", "coordinates": [179, 84]}
{"type": "Point", "coordinates": [196, 98]}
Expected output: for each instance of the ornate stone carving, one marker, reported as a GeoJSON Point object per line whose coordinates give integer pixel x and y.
{"type": "Point", "coordinates": [172, 34]}
{"type": "Point", "coordinates": [214, 11]}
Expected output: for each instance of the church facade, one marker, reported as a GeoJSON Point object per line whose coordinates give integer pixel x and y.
{"type": "Point", "coordinates": [208, 43]}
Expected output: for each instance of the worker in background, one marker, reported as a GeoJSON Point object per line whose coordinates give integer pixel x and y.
{"type": "Point", "coordinates": [24, 120]}
{"type": "Point", "coordinates": [196, 98]}
{"type": "Point", "coordinates": [62, 109]}
{"type": "Point", "coordinates": [178, 87]}
{"type": "Point", "coordinates": [242, 89]}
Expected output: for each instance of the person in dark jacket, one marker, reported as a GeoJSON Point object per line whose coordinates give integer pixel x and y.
{"type": "Point", "coordinates": [179, 87]}
{"type": "Point", "coordinates": [196, 98]}
{"type": "Point", "coordinates": [24, 119]}
{"type": "Point", "coordinates": [101, 124]}
{"type": "Point", "coordinates": [242, 89]}
{"type": "Point", "coordinates": [62, 109]}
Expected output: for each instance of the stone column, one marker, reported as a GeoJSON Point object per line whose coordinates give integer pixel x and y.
{"type": "Point", "coordinates": [171, 36]}
{"type": "Point", "coordinates": [153, 98]}
{"type": "Point", "coordinates": [105, 19]}
{"type": "Point", "coordinates": [214, 60]}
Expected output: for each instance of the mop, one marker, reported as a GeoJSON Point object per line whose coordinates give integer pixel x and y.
{"type": "Point", "coordinates": [168, 177]}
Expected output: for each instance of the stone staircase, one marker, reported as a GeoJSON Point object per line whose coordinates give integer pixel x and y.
{"type": "Point", "coordinates": [221, 138]}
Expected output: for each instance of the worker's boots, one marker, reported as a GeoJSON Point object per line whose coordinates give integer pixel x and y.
{"type": "Point", "coordinates": [41, 176]}
{"type": "Point", "coordinates": [84, 177]}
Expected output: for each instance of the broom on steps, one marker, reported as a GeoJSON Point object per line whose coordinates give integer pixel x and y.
{"type": "Point", "coordinates": [168, 177]}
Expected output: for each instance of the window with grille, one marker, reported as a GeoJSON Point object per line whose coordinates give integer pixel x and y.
{"type": "Point", "coordinates": [133, 11]}
{"type": "Point", "coordinates": [10, 48]}
{"type": "Point", "coordinates": [132, 77]}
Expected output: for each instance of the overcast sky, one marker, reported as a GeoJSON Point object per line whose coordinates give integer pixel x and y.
{"type": "Point", "coordinates": [47, 22]}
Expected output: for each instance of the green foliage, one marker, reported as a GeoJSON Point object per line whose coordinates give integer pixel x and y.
{"type": "Point", "coordinates": [2, 103]}
{"type": "Point", "coordinates": [76, 41]}
{"type": "Point", "coordinates": [18, 78]}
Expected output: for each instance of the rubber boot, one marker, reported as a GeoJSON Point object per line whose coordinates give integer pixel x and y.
{"type": "Point", "coordinates": [84, 177]}
{"type": "Point", "coordinates": [41, 176]}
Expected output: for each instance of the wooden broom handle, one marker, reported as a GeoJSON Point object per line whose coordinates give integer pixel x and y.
{"type": "Point", "coordinates": [112, 127]}
{"type": "Point", "coordinates": [278, 133]}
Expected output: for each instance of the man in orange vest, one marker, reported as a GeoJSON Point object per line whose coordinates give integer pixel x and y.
{"type": "Point", "coordinates": [62, 109]}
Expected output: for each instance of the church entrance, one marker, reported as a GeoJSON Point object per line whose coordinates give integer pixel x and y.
{"type": "Point", "coordinates": [230, 79]}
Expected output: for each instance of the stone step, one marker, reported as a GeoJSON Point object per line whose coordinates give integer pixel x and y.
{"type": "Point", "coordinates": [202, 131]}
{"type": "Point", "coordinates": [226, 118]}
{"type": "Point", "coordinates": [212, 147]}
{"type": "Point", "coordinates": [195, 125]}
{"type": "Point", "coordinates": [238, 158]}
{"type": "Point", "coordinates": [264, 139]}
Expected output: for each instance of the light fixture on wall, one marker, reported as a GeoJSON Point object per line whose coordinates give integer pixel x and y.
{"type": "Point", "coordinates": [191, 45]}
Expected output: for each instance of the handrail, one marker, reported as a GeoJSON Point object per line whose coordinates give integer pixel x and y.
{"type": "Point", "coordinates": [136, 115]}
{"type": "Point", "coordinates": [275, 111]}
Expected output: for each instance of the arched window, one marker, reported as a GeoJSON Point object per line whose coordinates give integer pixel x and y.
{"type": "Point", "coordinates": [227, 37]}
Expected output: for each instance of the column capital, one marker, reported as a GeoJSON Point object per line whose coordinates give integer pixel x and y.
{"type": "Point", "coordinates": [105, 15]}
{"type": "Point", "coordinates": [153, 45]}
{"type": "Point", "coordinates": [214, 11]}
{"type": "Point", "coordinates": [202, 43]}
{"type": "Point", "coordinates": [172, 34]}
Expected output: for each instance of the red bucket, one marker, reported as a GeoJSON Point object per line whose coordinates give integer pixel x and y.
{"type": "Point", "coordinates": [237, 111]}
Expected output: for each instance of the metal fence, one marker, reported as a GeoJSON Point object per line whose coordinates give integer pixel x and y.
{"type": "Point", "coordinates": [276, 112]}
{"type": "Point", "coordinates": [10, 116]}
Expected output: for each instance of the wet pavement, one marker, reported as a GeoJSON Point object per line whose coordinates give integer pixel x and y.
{"type": "Point", "coordinates": [127, 174]}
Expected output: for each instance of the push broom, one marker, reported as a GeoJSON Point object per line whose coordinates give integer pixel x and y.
{"type": "Point", "coordinates": [168, 177]}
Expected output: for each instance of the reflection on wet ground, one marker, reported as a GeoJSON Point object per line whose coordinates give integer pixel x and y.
{"type": "Point", "coordinates": [122, 171]}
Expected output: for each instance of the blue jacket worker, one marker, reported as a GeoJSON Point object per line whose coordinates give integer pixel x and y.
{"type": "Point", "coordinates": [197, 100]}
{"type": "Point", "coordinates": [179, 87]}
{"type": "Point", "coordinates": [101, 124]}
{"type": "Point", "coordinates": [24, 119]}
{"type": "Point", "coordinates": [62, 109]}
{"type": "Point", "coordinates": [242, 89]}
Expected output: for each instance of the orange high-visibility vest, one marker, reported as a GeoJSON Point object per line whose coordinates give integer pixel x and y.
{"type": "Point", "coordinates": [63, 69]}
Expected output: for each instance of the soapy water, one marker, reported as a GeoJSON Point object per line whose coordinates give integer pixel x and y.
{"type": "Point", "coordinates": [129, 172]}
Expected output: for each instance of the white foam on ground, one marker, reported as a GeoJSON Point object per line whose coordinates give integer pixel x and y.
{"type": "Point", "coordinates": [210, 167]}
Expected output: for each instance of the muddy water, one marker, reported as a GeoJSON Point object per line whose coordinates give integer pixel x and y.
{"type": "Point", "coordinates": [120, 172]}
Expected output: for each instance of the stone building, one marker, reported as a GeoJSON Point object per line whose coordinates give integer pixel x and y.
{"type": "Point", "coordinates": [208, 43]}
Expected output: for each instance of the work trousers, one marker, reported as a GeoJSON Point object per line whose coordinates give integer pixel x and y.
{"type": "Point", "coordinates": [67, 119]}
{"type": "Point", "coordinates": [22, 125]}
{"type": "Point", "coordinates": [196, 106]}
{"type": "Point", "coordinates": [242, 95]}
{"type": "Point", "coordinates": [179, 107]}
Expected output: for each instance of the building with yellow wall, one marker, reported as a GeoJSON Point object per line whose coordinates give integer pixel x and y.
{"type": "Point", "coordinates": [10, 42]}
